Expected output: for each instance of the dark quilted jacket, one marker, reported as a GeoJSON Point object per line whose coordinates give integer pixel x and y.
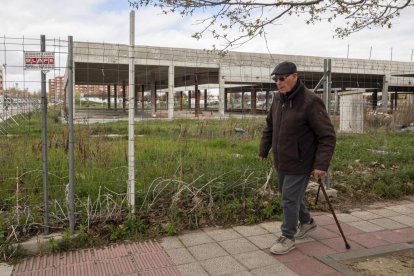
{"type": "Point", "coordinates": [299, 132]}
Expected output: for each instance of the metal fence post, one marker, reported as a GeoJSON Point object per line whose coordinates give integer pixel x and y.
{"type": "Point", "coordinates": [327, 83]}
{"type": "Point", "coordinates": [70, 137]}
{"type": "Point", "coordinates": [131, 115]}
{"type": "Point", "coordinates": [44, 141]}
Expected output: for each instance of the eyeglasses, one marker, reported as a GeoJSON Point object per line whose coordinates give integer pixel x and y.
{"type": "Point", "coordinates": [280, 78]}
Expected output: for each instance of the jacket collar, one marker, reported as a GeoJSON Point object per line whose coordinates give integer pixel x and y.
{"type": "Point", "coordinates": [288, 97]}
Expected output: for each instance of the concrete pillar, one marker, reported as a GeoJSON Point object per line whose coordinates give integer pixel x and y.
{"type": "Point", "coordinates": [108, 89]}
{"type": "Point", "coordinates": [181, 100]}
{"type": "Point", "coordinates": [142, 98]}
{"type": "Point", "coordinates": [116, 97]}
{"type": "Point", "coordinates": [189, 99]}
{"type": "Point", "coordinates": [197, 100]}
{"type": "Point", "coordinates": [374, 99]}
{"type": "Point", "coordinates": [205, 99]}
{"type": "Point", "coordinates": [225, 100]}
{"type": "Point", "coordinates": [410, 100]}
{"type": "Point", "coordinates": [253, 100]}
{"type": "Point", "coordinates": [170, 92]}
{"type": "Point", "coordinates": [396, 99]}
{"type": "Point", "coordinates": [385, 93]}
{"type": "Point", "coordinates": [221, 94]}
{"type": "Point", "coordinates": [123, 96]}
{"type": "Point", "coordinates": [242, 101]}
{"type": "Point", "coordinates": [153, 98]}
{"type": "Point", "coordinates": [351, 112]}
{"type": "Point", "coordinates": [156, 97]}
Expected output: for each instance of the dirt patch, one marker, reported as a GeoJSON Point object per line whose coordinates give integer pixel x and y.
{"type": "Point", "coordinates": [397, 263]}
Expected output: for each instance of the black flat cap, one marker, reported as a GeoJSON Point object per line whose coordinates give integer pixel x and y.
{"type": "Point", "coordinates": [284, 68]}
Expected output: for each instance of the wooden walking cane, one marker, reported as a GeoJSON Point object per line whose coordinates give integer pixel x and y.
{"type": "Point", "coordinates": [332, 210]}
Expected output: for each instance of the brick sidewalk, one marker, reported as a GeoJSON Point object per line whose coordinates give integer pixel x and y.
{"type": "Point", "coordinates": [241, 250]}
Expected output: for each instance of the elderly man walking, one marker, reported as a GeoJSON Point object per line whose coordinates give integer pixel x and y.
{"type": "Point", "coordinates": [302, 139]}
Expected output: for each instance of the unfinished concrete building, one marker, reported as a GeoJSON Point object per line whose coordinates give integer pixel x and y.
{"type": "Point", "coordinates": [190, 73]}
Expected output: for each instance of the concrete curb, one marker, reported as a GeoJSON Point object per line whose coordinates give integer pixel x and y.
{"type": "Point", "coordinates": [41, 243]}
{"type": "Point", "coordinates": [337, 260]}
{"type": "Point", "coordinates": [5, 269]}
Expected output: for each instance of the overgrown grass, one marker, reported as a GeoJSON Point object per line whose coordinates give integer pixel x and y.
{"type": "Point", "coordinates": [381, 164]}
{"type": "Point", "coordinates": [189, 173]}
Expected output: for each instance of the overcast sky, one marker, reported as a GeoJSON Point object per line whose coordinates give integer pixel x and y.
{"type": "Point", "coordinates": [107, 21]}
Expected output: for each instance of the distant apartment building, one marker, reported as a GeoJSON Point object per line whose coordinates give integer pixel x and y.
{"type": "Point", "coordinates": [57, 90]}
{"type": "Point", "coordinates": [91, 90]}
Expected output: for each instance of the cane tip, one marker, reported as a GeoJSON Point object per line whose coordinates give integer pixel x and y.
{"type": "Point", "coordinates": [347, 246]}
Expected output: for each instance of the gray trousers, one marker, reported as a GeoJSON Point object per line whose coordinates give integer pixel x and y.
{"type": "Point", "coordinates": [293, 189]}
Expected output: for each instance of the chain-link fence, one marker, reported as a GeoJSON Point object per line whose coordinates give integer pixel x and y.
{"type": "Point", "coordinates": [33, 139]}
{"type": "Point", "coordinates": [198, 117]}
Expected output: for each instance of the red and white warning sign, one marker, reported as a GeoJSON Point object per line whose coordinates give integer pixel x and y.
{"type": "Point", "coordinates": [39, 60]}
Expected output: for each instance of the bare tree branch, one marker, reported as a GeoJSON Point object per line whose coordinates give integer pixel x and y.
{"type": "Point", "coordinates": [251, 17]}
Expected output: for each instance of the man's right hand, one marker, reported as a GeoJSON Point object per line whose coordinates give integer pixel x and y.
{"type": "Point", "coordinates": [261, 158]}
{"type": "Point", "coordinates": [318, 174]}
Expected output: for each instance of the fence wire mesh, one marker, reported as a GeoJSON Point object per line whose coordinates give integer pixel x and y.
{"type": "Point", "coordinates": [184, 166]}
{"type": "Point", "coordinates": [21, 175]}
